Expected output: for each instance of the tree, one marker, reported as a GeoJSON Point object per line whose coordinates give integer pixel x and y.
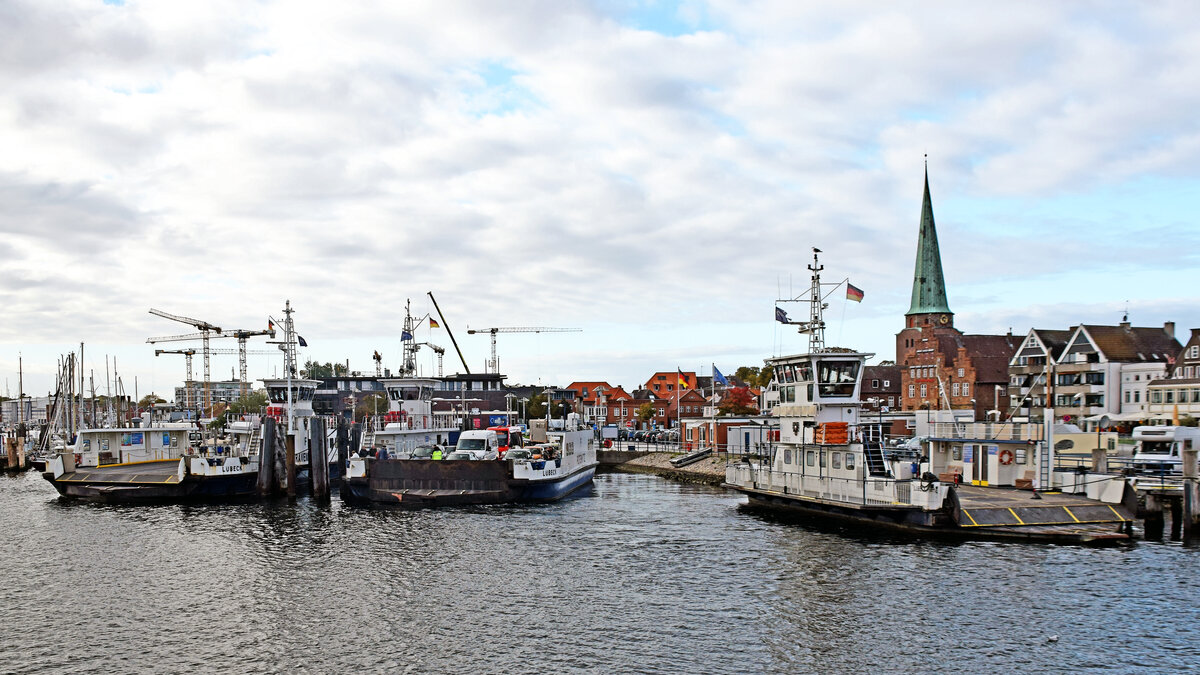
{"type": "Point", "coordinates": [316, 369]}
{"type": "Point", "coordinates": [374, 404]}
{"type": "Point", "coordinates": [737, 401]}
{"type": "Point", "coordinates": [755, 376]}
{"type": "Point", "coordinates": [150, 399]}
{"type": "Point", "coordinates": [536, 407]}
{"type": "Point", "coordinates": [251, 403]}
{"type": "Point", "coordinates": [644, 412]}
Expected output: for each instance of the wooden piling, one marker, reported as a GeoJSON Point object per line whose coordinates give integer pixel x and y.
{"type": "Point", "coordinates": [1190, 512]}
{"type": "Point", "coordinates": [343, 445]}
{"type": "Point", "coordinates": [1176, 519]}
{"type": "Point", "coordinates": [10, 447]}
{"type": "Point", "coordinates": [318, 458]}
{"type": "Point", "coordinates": [1154, 524]}
{"type": "Point", "coordinates": [290, 459]}
{"type": "Point", "coordinates": [266, 459]}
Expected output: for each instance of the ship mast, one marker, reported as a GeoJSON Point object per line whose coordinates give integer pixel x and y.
{"type": "Point", "coordinates": [815, 326]}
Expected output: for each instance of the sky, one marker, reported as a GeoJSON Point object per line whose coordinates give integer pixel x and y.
{"type": "Point", "coordinates": [653, 173]}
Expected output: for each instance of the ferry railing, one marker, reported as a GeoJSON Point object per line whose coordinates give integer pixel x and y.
{"type": "Point", "coordinates": [875, 491]}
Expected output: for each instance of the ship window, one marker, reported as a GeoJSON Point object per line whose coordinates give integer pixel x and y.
{"type": "Point", "coordinates": [849, 460]}
{"type": "Point", "coordinates": [957, 452]}
{"type": "Point", "coordinates": [822, 459]}
{"type": "Point", "coordinates": [1020, 455]}
{"type": "Point", "coordinates": [837, 378]}
{"type": "Point", "coordinates": [836, 459]}
{"type": "Point", "coordinates": [787, 456]}
{"type": "Point", "coordinates": [810, 459]}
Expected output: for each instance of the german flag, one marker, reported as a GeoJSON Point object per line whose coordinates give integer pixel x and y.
{"type": "Point", "coordinates": [853, 292]}
{"type": "Point", "coordinates": [433, 323]}
{"type": "Point", "coordinates": [682, 379]}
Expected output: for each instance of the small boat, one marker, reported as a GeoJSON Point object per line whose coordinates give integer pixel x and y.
{"type": "Point", "coordinates": [825, 466]}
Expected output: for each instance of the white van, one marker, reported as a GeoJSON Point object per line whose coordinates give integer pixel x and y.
{"type": "Point", "coordinates": [479, 444]}
{"type": "Point", "coordinates": [1161, 448]}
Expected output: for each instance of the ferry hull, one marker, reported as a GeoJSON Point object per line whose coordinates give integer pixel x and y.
{"type": "Point", "coordinates": [416, 483]}
{"type": "Point", "coordinates": [550, 491]}
{"type": "Point", "coordinates": [941, 523]}
{"type": "Point", "coordinates": [156, 482]}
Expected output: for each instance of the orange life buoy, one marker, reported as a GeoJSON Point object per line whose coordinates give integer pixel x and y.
{"type": "Point", "coordinates": [1006, 457]}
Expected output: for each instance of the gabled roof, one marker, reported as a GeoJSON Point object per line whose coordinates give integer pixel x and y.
{"type": "Point", "coordinates": [990, 354]}
{"type": "Point", "coordinates": [1127, 343]}
{"type": "Point", "coordinates": [1044, 342]}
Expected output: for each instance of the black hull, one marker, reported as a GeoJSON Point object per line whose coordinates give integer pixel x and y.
{"type": "Point", "coordinates": [413, 483]}
{"type": "Point", "coordinates": [190, 489]}
{"type": "Point", "coordinates": [925, 524]}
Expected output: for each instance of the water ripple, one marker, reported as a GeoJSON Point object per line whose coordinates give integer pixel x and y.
{"type": "Point", "coordinates": [636, 575]}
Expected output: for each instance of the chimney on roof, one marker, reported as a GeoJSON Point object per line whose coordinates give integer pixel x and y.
{"type": "Point", "coordinates": [1125, 324]}
{"type": "Point", "coordinates": [1169, 328]}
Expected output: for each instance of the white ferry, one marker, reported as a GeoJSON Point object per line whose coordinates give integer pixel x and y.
{"type": "Point", "coordinates": [825, 466]}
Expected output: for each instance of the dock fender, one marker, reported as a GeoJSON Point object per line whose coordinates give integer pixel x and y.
{"type": "Point", "coordinates": [1129, 500]}
{"type": "Point", "coordinates": [952, 505]}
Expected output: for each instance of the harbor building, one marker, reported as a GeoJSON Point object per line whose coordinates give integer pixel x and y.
{"type": "Point", "coordinates": [941, 368]}
{"type": "Point", "coordinates": [1090, 372]}
{"type": "Point", "coordinates": [1169, 400]}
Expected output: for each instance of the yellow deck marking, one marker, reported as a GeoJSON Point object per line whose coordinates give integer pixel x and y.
{"type": "Point", "coordinates": [1019, 521]}
{"type": "Point", "coordinates": [968, 515]}
{"type": "Point", "coordinates": [1070, 514]}
{"type": "Point", "coordinates": [1115, 512]}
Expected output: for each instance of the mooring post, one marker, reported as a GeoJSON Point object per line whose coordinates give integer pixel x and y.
{"type": "Point", "coordinates": [1191, 493]}
{"type": "Point", "coordinates": [318, 459]}
{"type": "Point", "coordinates": [343, 445]}
{"type": "Point", "coordinates": [10, 446]}
{"type": "Point", "coordinates": [266, 459]}
{"type": "Point", "coordinates": [21, 435]}
{"type": "Point", "coordinates": [1176, 519]}
{"type": "Point", "coordinates": [290, 459]}
{"type": "Point", "coordinates": [1154, 518]}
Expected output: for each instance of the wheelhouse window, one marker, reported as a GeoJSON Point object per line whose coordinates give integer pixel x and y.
{"type": "Point", "coordinates": [836, 379]}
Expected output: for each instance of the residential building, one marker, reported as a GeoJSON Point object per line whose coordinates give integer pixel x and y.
{"type": "Point", "coordinates": [1177, 396]}
{"type": "Point", "coordinates": [665, 383]}
{"type": "Point", "coordinates": [881, 388]}
{"type": "Point", "coordinates": [1092, 373]}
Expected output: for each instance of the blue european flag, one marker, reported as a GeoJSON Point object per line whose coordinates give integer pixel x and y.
{"type": "Point", "coordinates": [718, 378]}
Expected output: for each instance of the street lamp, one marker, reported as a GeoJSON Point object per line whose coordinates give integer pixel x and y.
{"type": "Point", "coordinates": [523, 401]}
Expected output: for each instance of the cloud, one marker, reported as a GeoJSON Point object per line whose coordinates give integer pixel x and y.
{"type": "Point", "coordinates": [652, 172]}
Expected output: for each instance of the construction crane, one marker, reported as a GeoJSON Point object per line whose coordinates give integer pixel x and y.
{"type": "Point", "coordinates": [241, 336]}
{"type": "Point", "coordinates": [206, 331]}
{"type": "Point", "coordinates": [187, 384]}
{"type": "Point", "coordinates": [494, 363]}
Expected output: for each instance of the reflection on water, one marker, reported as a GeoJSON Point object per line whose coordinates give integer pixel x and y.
{"type": "Point", "coordinates": [637, 575]}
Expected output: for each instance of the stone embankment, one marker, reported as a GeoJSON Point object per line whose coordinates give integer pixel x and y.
{"type": "Point", "coordinates": [710, 470]}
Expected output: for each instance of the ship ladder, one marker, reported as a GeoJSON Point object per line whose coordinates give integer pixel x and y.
{"type": "Point", "coordinates": [874, 456]}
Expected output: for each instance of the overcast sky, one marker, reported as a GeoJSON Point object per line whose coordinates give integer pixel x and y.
{"type": "Point", "coordinates": [653, 173]}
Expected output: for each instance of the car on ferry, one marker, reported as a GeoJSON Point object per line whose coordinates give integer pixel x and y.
{"type": "Point", "coordinates": [480, 444]}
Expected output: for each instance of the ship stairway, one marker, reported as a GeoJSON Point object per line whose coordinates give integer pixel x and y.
{"type": "Point", "coordinates": [873, 453]}
{"type": "Point", "coordinates": [254, 445]}
{"type": "Point", "coordinates": [368, 436]}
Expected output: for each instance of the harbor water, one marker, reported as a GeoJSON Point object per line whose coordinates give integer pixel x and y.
{"type": "Point", "coordinates": [637, 574]}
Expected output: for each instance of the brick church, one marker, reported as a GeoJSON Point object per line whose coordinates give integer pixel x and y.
{"type": "Point", "coordinates": [941, 367]}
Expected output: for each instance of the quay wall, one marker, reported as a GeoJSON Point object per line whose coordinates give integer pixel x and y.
{"type": "Point", "coordinates": [709, 471]}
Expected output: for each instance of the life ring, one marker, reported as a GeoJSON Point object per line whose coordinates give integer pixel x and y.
{"type": "Point", "coordinates": [1006, 457]}
{"type": "Point", "coordinates": [608, 442]}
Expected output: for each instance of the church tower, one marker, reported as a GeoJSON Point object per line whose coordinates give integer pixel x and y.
{"type": "Point", "coordinates": [929, 305]}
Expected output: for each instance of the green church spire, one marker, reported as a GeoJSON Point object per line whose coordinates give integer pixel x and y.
{"type": "Point", "coordinates": [929, 286]}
